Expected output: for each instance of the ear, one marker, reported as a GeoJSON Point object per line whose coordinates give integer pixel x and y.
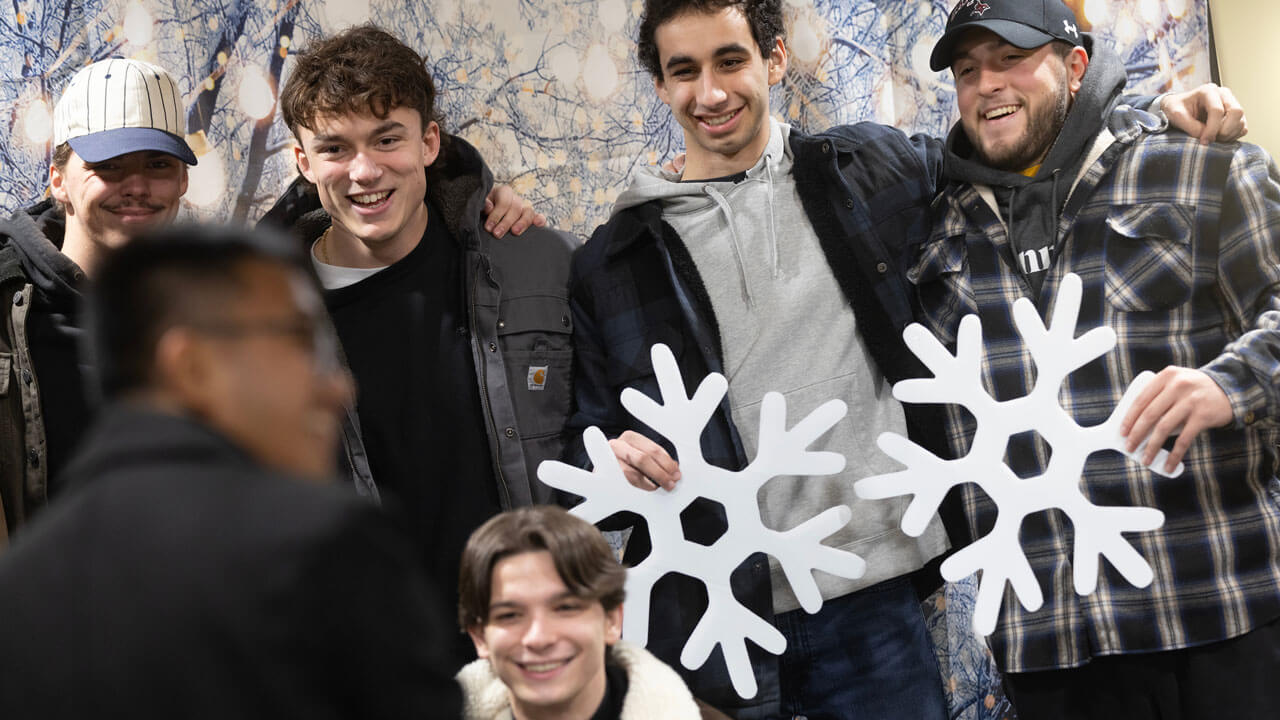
{"type": "Point", "coordinates": [777, 61]}
{"type": "Point", "coordinates": [185, 180]}
{"type": "Point", "coordinates": [1077, 62]}
{"type": "Point", "coordinates": [660, 87]}
{"type": "Point", "coordinates": [613, 625]}
{"type": "Point", "coordinates": [430, 144]}
{"type": "Point", "coordinates": [183, 369]}
{"type": "Point", "coordinates": [58, 188]}
{"type": "Point", "coordinates": [477, 638]}
{"type": "Point", "coordinates": [304, 163]}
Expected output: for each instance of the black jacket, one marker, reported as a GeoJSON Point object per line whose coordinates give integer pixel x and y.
{"type": "Point", "coordinates": [180, 579]}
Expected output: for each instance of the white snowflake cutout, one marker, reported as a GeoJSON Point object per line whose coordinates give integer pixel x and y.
{"type": "Point", "coordinates": [799, 551]}
{"type": "Point", "coordinates": [958, 380]}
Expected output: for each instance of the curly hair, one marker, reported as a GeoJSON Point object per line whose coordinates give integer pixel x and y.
{"type": "Point", "coordinates": [583, 559]}
{"type": "Point", "coordinates": [361, 70]}
{"type": "Point", "coordinates": [764, 17]}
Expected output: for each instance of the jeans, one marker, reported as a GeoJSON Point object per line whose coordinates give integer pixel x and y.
{"type": "Point", "coordinates": [863, 656]}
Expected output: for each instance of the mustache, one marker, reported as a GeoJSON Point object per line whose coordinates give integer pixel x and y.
{"type": "Point", "coordinates": [134, 205]}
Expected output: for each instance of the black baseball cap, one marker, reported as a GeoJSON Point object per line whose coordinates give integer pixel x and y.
{"type": "Point", "coordinates": [1022, 23]}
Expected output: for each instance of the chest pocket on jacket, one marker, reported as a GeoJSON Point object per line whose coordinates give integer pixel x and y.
{"type": "Point", "coordinates": [536, 333]}
{"type": "Point", "coordinates": [1148, 256]}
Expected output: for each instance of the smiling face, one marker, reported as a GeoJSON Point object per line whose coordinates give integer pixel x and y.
{"type": "Point", "coordinates": [371, 176]}
{"type": "Point", "coordinates": [545, 644]}
{"type": "Point", "coordinates": [716, 83]}
{"type": "Point", "coordinates": [1013, 102]}
{"type": "Point", "coordinates": [111, 201]}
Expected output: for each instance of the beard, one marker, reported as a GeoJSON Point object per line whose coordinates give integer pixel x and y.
{"type": "Point", "coordinates": [1042, 130]}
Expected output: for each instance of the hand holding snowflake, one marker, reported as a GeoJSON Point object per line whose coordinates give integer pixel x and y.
{"type": "Point", "coordinates": [799, 551]}
{"type": "Point", "coordinates": [957, 379]}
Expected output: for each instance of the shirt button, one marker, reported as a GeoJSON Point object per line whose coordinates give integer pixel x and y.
{"type": "Point", "coordinates": [826, 148]}
{"type": "Point", "coordinates": [501, 324]}
{"type": "Point", "coordinates": [493, 347]}
{"type": "Point", "coordinates": [33, 457]}
{"type": "Point", "coordinates": [848, 202]}
{"type": "Point", "coordinates": [1249, 417]}
{"type": "Point", "coordinates": [17, 298]}
{"type": "Point", "coordinates": [564, 320]}
{"type": "Point", "coordinates": [882, 268]}
{"type": "Point", "coordinates": [510, 432]}
{"type": "Point", "coordinates": [27, 377]}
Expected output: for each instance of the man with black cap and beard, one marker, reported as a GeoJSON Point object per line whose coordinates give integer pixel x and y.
{"type": "Point", "coordinates": [1176, 244]}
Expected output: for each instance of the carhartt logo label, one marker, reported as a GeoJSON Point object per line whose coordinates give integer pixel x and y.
{"type": "Point", "coordinates": [537, 377]}
{"type": "Point", "coordinates": [1070, 29]}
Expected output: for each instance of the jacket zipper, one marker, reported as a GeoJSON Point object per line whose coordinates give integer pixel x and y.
{"type": "Point", "coordinates": [481, 376]}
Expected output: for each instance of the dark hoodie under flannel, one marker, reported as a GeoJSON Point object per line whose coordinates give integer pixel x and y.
{"type": "Point", "coordinates": [1178, 247]}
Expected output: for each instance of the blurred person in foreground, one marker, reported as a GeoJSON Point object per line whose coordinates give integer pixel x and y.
{"type": "Point", "coordinates": [202, 565]}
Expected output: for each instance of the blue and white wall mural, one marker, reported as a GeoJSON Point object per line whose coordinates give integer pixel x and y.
{"type": "Point", "coordinates": [549, 91]}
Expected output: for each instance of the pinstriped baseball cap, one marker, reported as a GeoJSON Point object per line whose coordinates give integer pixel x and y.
{"type": "Point", "coordinates": [119, 106]}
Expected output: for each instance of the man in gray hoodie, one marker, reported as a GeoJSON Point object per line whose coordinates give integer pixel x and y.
{"type": "Point", "coordinates": [1175, 244]}
{"type": "Point", "coordinates": [749, 263]}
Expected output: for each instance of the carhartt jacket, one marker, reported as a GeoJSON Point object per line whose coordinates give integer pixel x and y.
{"type": "Point", "coordinates": [521, 326]}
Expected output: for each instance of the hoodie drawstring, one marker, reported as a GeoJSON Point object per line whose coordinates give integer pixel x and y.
{"type": "Point", "coordinates": [734, 242]}
{"type": "Point", "coordinates": [773, 230]}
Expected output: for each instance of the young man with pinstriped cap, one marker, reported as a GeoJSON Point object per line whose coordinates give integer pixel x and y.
{"type": "Point", "coordinates": [119, 167]}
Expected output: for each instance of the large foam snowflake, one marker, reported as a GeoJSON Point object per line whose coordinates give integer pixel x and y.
{"type": "Point", "coordinates": [681, 419]}
{"type": "Point", "coordinates": [958, 379]}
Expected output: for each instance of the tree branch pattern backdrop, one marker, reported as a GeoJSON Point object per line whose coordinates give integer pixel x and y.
{"type": "Point", "coordinates": [550, 92]}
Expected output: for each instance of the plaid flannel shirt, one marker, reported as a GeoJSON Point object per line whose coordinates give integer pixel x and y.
{"type": "Point", "coordinates": [1178, 247]}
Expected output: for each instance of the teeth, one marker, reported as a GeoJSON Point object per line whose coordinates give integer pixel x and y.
{"type": "Point", "coordinates": [371, 198]}
{"type": "Point", "coordinates": [1001, 112]}
{"type": "Point", "coordinates": [542, 667]}
{"type": "Point", "coordinates": [719, 119]}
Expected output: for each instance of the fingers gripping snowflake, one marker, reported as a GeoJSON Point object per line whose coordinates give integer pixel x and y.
{"type": "Point", "coordinates": [681, 419]}
{"type": "Point", "coordinates": [958, 380]}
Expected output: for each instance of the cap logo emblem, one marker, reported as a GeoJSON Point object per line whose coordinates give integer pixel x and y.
{"type": "Point", "coordinates": [1070, 29]}
{"type": "Point", "coordinates": [977, 8]}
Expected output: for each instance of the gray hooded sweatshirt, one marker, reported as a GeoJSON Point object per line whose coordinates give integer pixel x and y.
{"type": "Point", "coordinates": [786, 326]}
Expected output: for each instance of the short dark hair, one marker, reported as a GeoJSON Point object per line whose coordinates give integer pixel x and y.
{"type": "Point", "coordinates": [764, 17]}
{"type": "Point", "coordinates": [363, 69]}
{"type": "Point", "coordinates": [177, 275]}
{"type": "Point", "coordinates": [583, 559]}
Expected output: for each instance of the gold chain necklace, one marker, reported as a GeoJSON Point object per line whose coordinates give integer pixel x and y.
{"type": "Point", "coordinates": [322, 246]}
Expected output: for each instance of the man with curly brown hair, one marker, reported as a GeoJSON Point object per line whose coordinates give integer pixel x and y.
{"type": "Point", "coordinates": [459, 340]}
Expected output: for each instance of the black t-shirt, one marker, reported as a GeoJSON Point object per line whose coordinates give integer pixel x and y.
{"type": "Point", "coordinates": [615, 693]}
{"type": "Point", "coordinates": [405, 333]}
